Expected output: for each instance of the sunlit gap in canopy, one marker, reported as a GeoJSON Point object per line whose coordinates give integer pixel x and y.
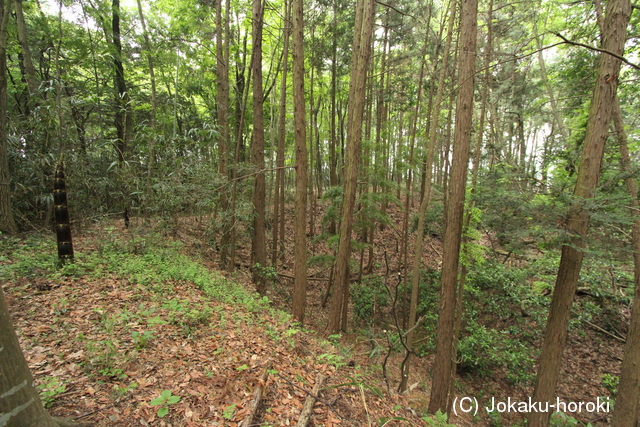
{"type": "Point", "coordinates": [82, 12]}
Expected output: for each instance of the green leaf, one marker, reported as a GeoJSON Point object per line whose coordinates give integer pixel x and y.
{"type": "Point", "coordinates": [157, 401]}
{"type": "Point", "coordinates": [165, 394]}
{"type": "Point", "coordinates": [163, 411]}
{"type": "Point", "coordinates": [228, 412]}
{"type": "Point", "coordinates": [173, 399]}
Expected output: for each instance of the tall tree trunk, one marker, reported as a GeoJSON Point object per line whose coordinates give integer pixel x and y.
{"type": "Point", "coordinates": [552, 99]}
{"type": "Point", "coordinates": [154, 101]}
{"type": "Point", "coordinates": [300, 237]}
{"type": "Point", "coordinates": [258, 248]}
{"type": "Point", "coordinates": [445, 357]}
{"type": "Point", "coordinates": [222, 87]}
{"type": "Point", "coordinates": [365, 11]}
{"type": "Point", "coordinates": [625, 413]}
{"type": "Point", "coordinates": [278, 206]}
{"type": "Point", "coordinates": [121, 94]}
{"type": "Point", "coordinates": [30, 71]}
{"type": "Point", "coordinates": [381, 126]}
{"type": "Point", "coordinates": [333, 159]}
{"type": "Point", "coordinates": [424, 204]}
{"type": "Point", "coordinates": [312, 130]}
{"type": "Point", "coordinates": [241, 102]}
{"type": "Point", "coordinates": [7, 223]}
{"type": "Point", "coordinates": [318, 155]}
{"type": "Point", "coordinates": [613, 39]}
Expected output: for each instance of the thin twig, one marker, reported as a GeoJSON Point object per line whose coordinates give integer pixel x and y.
{"type": "Point", "coordinates": [393, 8]}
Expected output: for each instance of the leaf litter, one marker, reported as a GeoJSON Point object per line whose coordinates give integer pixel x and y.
{"type": "Point", "coordinates": [115, 346]}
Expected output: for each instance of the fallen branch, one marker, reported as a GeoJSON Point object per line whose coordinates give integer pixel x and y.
{"type": "Point", "coordinates": [319, 279]}
{"type": "Point", "coordinates": [257, 397]}
{"type": "Point", "coordinates": [604, 331]}
{"type": "Point", "coordinates": [307, 409]}
{"type": "Point", "coordinates": [315, 396]}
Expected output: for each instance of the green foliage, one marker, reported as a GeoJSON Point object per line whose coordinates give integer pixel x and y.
{"type": "Point", "coordinates": [611, 382]}
{"type": "Point", "coordinates": [433, 219]}
{"type": "Point", "coordinates": [369, 296]}
{"type": "Point", "coordinates": [332, 212]}
{"type": "Point", "coordinates": [150, 261]}
{"type": "Point", "coordinates": [229, 412]}
{"type": "Point", "coordinates": [560, 419]}
{"type": "Point", "coordinates": [493, 294]}
{"type": "Point", "coordinates": [141, 339]}
{"type": "Point", "coordinates": [188, 318]}
{"type": "Point", "coordinates": [483, 350]}
{"type": "Point", "coordinates": [124, 390]}
{"type": "Point", "coordinates": [164, 401]}
{"type": "Point", "coordinates": [335, 360]}
{"type": "Point", "coordinates": [437, 420]}
{"type": "Point", "coordinates": [334, 339]}
{"type": "Point", "coordinates": [103, 357]}
{"type": "Point", "coordinates": [518, 216]}
{"type": "Point", "coordinates": [268, 273]}
{"type": "Point", "coordinates": [49, 388]}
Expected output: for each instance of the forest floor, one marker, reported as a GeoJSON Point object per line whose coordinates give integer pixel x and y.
{"type": "Point", "coordinates": [104, 339]}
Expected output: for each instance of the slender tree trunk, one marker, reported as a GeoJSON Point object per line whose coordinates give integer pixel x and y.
{"type": "Point", "coordinates": [312, 129]}
{"type": "Point", "coordinates": [300, 237]}
{"type": "Point", "coordinates": [424, 204]}
{"type": "Point", "coordinates": [7, 223]}
{"type": "Point", "coordinates": [154, 101]}
{"type": "Point", "coordinates": [552, 99]}
{"type": "Point", "coordinates": [381, 125]}
{"type": "Point", "coordinates": [121, 95]}
{"type": "Point", "coordinates": [365, 11]}
{"type": "Point", "coordinates": [241, 105]}
{"type": "Point", "coordinates": [222, 87]}
{"type": "Point", "coordinates": [318, 164]}
{"type": "Point", "coordinates": [278, 206]}
{"type": "Point", "coordinates": [30, 71]}
{"type": "Point", "coordinates": [625, 413]}
{"type": "Point", "coordinates": [467, 218]}
{"type": "Point", "coordinates": [445, 342]}
{"type": "Point", "coordinates": [333, 159]}
{"type": "Point", "coordinates": [614, 37]}
{"type": "Point", "coordinates": [259, 251]}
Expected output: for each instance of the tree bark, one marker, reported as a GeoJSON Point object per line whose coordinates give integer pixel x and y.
{"type": "Point", "coordinates": [426, 198]}
{"type": "Point", "coordinates": [300, 237]}
{"type": "Point", "coordinates": [278, 205]}
{"type": "Point", "coordinates": [614, 37]}
{"type": "Point", "coordinates": [121, 95]}
{"type": "Point", "coordinates": [222, 87]}
{"type": "Point", "coordinates": [625, 413]}
{"type": "Point", "coordinates": [445, 341]}
{"type": "Point", "coordinates": [258, 247]}
{"type": "Point", "coordinates": [154, 102]}
{"type": "Point", "coordinates": [365, 11]}
{"type": "Point", "coordinates": [30, 71]}
{"type": "Point", "coordinates": [7, 223]}
{"type": "Point", "coordinates": [333, 159]}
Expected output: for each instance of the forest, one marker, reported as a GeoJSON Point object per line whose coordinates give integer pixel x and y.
{"type": "Point", "coordinates": [319, 212]}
